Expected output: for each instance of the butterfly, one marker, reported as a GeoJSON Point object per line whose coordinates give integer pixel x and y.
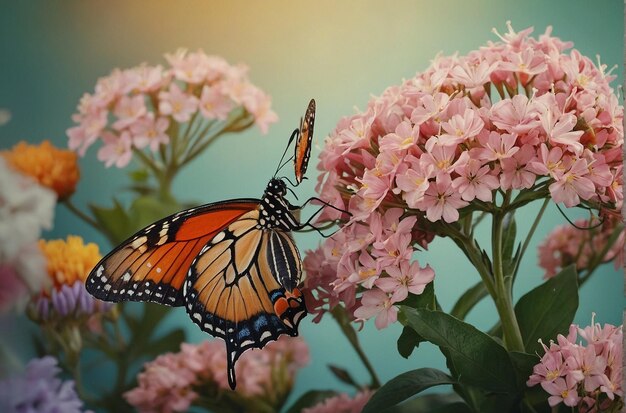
{"type": "Point", "coordinates": [233, 264]}
{"type": "Point", "coordinates": [303, 142]}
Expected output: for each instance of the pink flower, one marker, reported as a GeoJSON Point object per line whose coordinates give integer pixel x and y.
{"type": "Point", "coordinates": [408, 278]}
{"type": "Point", "coordinates": [177, 104]}
{"type": "Point", "coordinates": [116, 149]}
{"type": "Point", "coordinates": [497, 146]}
{"type": "Point", "coordinates": [562, 390]}
{"type": "Point", "coordinates": [442, 158]}
{"type": "Point", "coordinates": [559, 129]}
{"type": "Point", "coordinates": [213, 104]}
{"type": "Point", "coordinates": [128, 110]}
{"type": "Point", "coordinates": [441, 200]}
{"type": "Point", "coordinates": [430, 107]}
{"type": "Point", "coordinates": [148, 132]}
{"type": "Point", "coordinates": [573, 185]}
{"type": "Point", "coordinates": [578, 374]}
{"type": "Point", "coordinates": [377, 303]}
{"type": "Point", "coordinates": [516, 115]}
{"type": "Point", "coordinates": [461, 128]}
{"type": "Point", "coordinates": [475, 181]}
{"type": "Point", "coordinates": [404, 137]}
{"type": "Point", "coordinates": [547, 162]}
{"type": "Point", "coordinates": [414, 182]}
{"type": "Point", "coordinates": [515, 174]}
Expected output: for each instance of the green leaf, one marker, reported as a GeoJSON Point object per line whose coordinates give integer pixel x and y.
{"type": "Point", "coordinates": [426, 299]}
{"type": "Point", "coordinates": [408, 340]}
{"type": "Point", "coordinates": [343, 375]}
{"type": "Point", "coordinates": [139, 175]}
{"type": "Point", "coordinates": [477, 358]}
{"type": "Point", "coordinates": [310, 398]}
{"type": "Point", "coordinates": [115, 221]}
{"type": "Point", "coordinates": [404, 386]}
{"type": "Point", "coordinates": [548, 309]}
{"type": "Point", "coordinates": [468, 300]}
{"type": "Point", "coordinates": [148, 209]}
{"type": "Point", "coordinates": [523, 363]}
{"type": "Point", "coordinates": [432, 403]}
{"type": "Point", "coordinates": [458, 407]}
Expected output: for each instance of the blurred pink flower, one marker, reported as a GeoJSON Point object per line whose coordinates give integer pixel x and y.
{"type": "Point", "coordinates": [213, 105]}
{"type": "Point", "coordinates": [177, 103]}
{"type": "Point", "coordinates": [116, 150]}
{"type": "Point", "coordinates": [150, 132]}
{"type": "Point", "coordinates": [146, 100]}
{"type": "Point", "coordinates": [567, 245]}
{"type": "Point", "coordinates": [173, 381]}
{"type": "Point", "coordinates": [128, 110]}
{"type": "Point", "coordinates": [342, 403]}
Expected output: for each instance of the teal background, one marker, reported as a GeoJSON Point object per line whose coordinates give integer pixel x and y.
{"type": "Point", "coordinates": [337, 52]}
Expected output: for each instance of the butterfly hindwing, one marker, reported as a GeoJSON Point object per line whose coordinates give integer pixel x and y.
{"type": "Point", "coordinates": [152, 264]}
{"type": "Point", "coordinates": [303, 144]}
{"type": "Point", "coordinates": [232, 292]}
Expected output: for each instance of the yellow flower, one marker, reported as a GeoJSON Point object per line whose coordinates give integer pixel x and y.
{"type": "Point", "coordinates": [54, 168]}
{"type": "Point", "coordinates": [69, 260]}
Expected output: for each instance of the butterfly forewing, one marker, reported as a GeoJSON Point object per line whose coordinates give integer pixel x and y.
{"type": "Point", "coordinates": [152, 264]}
{"type": "Point", "coordinates": [303, 144]}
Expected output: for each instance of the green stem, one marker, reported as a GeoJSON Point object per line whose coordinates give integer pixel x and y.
{"type": "Point", "coordinates": [80, 214]}
{"type": "Point", "coordinates": [147, 161]}
{"type": "Point", "coordinates": [503, 298]}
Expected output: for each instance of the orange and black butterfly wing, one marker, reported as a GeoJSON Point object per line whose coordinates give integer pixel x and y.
{"type": "Point", "coordinates": [152, 264]}
{"type": "Point", "coordinates": [233, 293]}
{"type": "Point", "coordinates": [303, 144]}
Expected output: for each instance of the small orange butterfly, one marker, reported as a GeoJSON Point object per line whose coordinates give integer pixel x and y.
{"type": "Point", "coordinates": [233, 265]}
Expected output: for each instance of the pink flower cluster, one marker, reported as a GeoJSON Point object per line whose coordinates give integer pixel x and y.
{"type": "Point", "coordinates": [137, 107]}
{"type": "Point", "coordinates": [567, 245]}
{"type": "Point", "coordinates": [588, 376]}
{"type": "Point", "coordinates": [172, 381]}
{"type": "Point", "coordinates": [518, 119]}
{"type": "Point", "coordinates": [342, 404]}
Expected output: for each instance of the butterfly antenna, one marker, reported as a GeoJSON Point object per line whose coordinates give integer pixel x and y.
{"type": "Point", "coordinates": [288, 180]}
{"type": "Point", "coordinates": [293, 136]}
{"type": "Point", "coordinates": [292, 193]}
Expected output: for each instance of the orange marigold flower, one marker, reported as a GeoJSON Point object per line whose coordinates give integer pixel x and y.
{"type": "Point", "coordinates": [69, 260]}
{"type": "Point", "coordinates": [54, 168]}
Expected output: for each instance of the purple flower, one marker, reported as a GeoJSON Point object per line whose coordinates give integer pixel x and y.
{"type": "Point", "coordinates": [38, 389]}
{"type": "Point", "coordinates": [69, 301]}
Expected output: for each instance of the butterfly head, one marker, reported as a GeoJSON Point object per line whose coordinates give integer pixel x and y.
{"type": "Point", "coordinates": [277, 187]}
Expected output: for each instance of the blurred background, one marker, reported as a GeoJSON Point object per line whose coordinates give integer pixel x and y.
{"type": "Point", "coordinates": [339, 53]}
